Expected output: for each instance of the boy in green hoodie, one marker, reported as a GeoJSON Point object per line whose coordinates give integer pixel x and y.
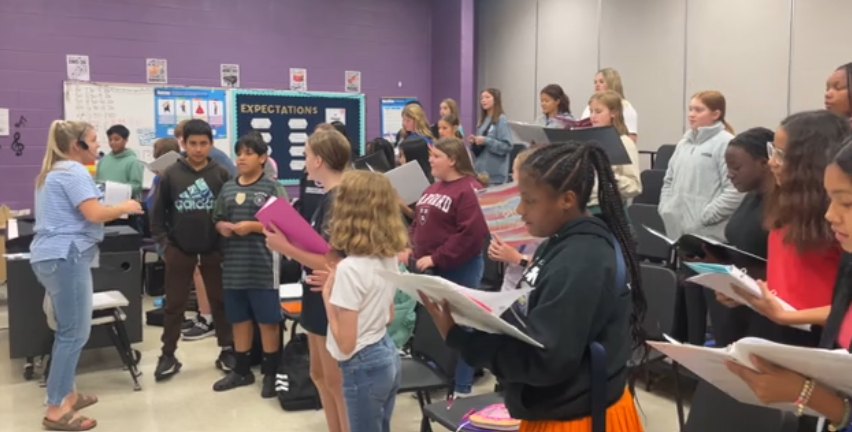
{"type": "Point", "coordinates": [121, 165]}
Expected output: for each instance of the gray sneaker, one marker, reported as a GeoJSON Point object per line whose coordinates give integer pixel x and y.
{"type": "Point", "coordinates": [202, 329]}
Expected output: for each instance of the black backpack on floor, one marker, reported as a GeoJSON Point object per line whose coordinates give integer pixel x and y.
{"type": "Point", "coordinates": [293, 383]}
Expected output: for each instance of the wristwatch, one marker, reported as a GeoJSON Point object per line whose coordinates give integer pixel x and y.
{"type": "Point", "coordinates": [525, 261]}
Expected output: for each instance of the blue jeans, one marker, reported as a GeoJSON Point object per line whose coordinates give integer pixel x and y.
{"type": "Point", "coordinates": [467, 275]}
{"type": "Point", "coordinates": [371, 379]}
{"type": "Point", "coordinates": [68, 282]}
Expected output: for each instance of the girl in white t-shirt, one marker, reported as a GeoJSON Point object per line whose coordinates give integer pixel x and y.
{"type": "Point", "coordinates": [367, 230]}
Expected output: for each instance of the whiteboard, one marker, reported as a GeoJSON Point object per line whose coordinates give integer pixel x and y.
{"type": "Point", "coordinates": [104, 105]}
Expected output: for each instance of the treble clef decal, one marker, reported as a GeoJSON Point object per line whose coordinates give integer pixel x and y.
{"type": "Point", "coordinates": [17, 145]}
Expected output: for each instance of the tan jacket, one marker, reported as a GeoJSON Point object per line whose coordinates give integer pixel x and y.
{"type": "Point", "coordinates": [629, 183]}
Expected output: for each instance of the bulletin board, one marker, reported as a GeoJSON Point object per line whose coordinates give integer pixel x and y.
{"type": "Point", "coordinates": [286, 118]}
{"type": "Point", "coordinates": [106, 104]}
{"type": "Point", "coordinates": [391, 115]}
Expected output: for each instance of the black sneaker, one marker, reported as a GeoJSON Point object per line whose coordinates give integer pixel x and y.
{"type": "Point", "coordinates": [233, 380]}
{"type": "Point", "coordinates": [200, 330]}
{"type": "Point", "coordinates": [167, 367]}
{"type": "Point", "coordinates": [268, 391]}
{"type": "Point", "coordinates": [187, 324]}
{"type": "Point", "coordinates": [227, 361]}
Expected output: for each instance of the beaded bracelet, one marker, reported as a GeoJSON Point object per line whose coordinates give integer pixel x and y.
{"type": "Point", "coordinates": [804, 397]}
{"type": "Point", "coordinates": [844, 424]}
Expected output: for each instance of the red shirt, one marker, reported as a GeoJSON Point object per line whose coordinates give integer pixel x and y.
{"type": "Point", "coordinates": [804, 280]}
{"type": "Point", "coordinates": [844, 336]}
{"type": "Point", "coordinates": [448, 223]}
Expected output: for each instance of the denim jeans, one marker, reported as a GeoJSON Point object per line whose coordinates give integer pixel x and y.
{"type": "Point", "coordinates": [68, 282]}
{"type": "Point", "coordinates": [371, 379]}
{"type": "Point", "coordinates": [467, 275]}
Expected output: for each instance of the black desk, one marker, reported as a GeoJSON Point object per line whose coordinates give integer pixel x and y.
{"type": "Point", "coordinates": [119, 270]}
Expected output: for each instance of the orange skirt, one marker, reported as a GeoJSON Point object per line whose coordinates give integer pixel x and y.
{"type": "Point", "coordinates": [620, 417]}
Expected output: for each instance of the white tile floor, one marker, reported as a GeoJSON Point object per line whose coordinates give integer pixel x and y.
{"type": "Point", "coordinates": [187, 403]}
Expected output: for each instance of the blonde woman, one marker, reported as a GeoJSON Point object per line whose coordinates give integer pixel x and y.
{"type": "Point", "coordinates": [69, 225]}
{"type": "Point", "coordinates": [327, 155]}
{"type": "Point", "coordinates": [610, 79]}
{"type": "Point", "coordinates": [606, 110]}
{"type": "Point", "coordinates": [367, 229]}
{"type": "Point", "coordinates": [414, 124]}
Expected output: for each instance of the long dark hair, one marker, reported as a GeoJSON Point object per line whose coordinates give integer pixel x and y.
{"type": "Point", "coordinates": [496, 110]}
{"type": "Point", "coordinates": [574, 167]}
{"type": "Point", "coordinates": [417, 149]}
{"type": "Point", "coordinates": [799, 202]}
{"type": "Point", "coordinates": [556, 93]}
{"type": "Point", "coordinates": [383, 146]}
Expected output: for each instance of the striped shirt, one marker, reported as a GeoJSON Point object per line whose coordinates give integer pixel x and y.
{"type": "Point", "coordinates": [248, 264]}
{"type": "Point", "coordinates": [59, 222]}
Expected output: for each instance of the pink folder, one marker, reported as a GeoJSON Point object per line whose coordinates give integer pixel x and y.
{"type": "Point", "coordinates": [282, 215]}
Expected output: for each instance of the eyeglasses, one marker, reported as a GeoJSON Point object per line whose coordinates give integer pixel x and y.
{"type": "Point", "coordinates": [774, 153]}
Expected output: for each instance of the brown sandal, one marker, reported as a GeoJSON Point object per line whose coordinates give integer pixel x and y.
{"type": "Point", "coordinates": [84, 401]}
{"type": "Point", "coordinates": [69, 423]}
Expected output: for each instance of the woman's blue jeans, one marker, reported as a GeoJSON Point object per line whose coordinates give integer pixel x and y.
{"type": "Point", "coordinates": [371, 379]}
{"type": "Point", "coordinates": [68, 282]}
{"type": "Point", "coordinates": [468, 275]}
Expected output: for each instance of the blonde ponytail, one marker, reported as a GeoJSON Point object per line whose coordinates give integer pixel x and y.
{"type": "Point", "coordinates": [61, 135]}
{"type": "Point", "coordinates": [728, 127]}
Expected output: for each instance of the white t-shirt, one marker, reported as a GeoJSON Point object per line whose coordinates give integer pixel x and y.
{"type": "Point", "coordinates": [357, 287]}
{"type": "Point", "coordinates": [631, 118]}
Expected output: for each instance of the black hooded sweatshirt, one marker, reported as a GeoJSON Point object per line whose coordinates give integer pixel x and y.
{"type": "Point", "coordinates": [575, 302]}
{"type": "Point", "coordinates": [183, 207]}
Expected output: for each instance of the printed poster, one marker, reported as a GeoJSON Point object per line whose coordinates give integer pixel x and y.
{"type": "Point", "coordinates": [156, 71]}
{"type": "Point", "coordinates": [78, 67]}
{"type": "Point", "coordinates": [298, 79]}
{"type": "Point", "coordinates": [229, 75]}
{"type": "Point", "coordinates": [175, 104]}
{"type": "Point", "coordinates": [353, 82]}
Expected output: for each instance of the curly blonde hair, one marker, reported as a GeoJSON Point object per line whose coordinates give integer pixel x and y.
{"type": "Point", "coordinates": [366, 220]}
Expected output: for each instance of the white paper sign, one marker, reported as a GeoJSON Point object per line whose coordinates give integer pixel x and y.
{"type": "Point", "coordinates": [335, 114]}
{"type": "Point", "coordinates": [229, 75]}
{"type": "Point", "coordinates": [298, 79]}
{"type": "Point", "coordinates": [353, 82]}
{"type": "Point", "coordinates": [4, 122]}
{"type": "Point", "coordinates": [78, 67]}
{"type": "Point", "coordinates": [116, 193]}
{"type": "Point", "coordinates": [156, 71]}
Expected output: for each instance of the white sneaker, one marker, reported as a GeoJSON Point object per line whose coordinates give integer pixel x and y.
{"type": "Point", "coordinates": [459, 395]}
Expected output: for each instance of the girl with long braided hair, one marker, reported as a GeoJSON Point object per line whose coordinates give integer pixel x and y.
{"type": "Point", "coordinates": [587, 290]}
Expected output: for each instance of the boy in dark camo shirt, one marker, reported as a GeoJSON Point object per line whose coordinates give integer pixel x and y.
{"type": "Point", "coordinates": [251, 291]}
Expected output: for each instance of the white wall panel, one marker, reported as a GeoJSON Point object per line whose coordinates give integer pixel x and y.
{"type": "Point", "coordinates": [741, 48]}
{"type": "Point", "coordinates": [567, 48]}
{"type": "Point", "coordinates": [506, 40]}
{"type": "Point", "coordinates": [820, 44]}
{"type": "Point", "coordinates": [644, 40]}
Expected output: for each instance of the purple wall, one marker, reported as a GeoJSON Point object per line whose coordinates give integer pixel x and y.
{"type": "Point", "coordinates": [389, 41]}
{"type": "Point", "coordinates": [453, 57]}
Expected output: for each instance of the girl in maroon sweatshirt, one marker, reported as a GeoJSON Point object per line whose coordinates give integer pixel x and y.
{"type": "Point", "coordinates": [449, 231]}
